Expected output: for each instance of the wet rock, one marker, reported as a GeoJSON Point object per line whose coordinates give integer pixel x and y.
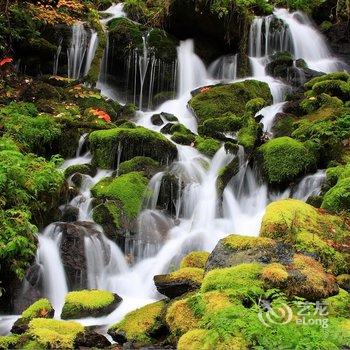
{"type": "Point", "coordinates": [166, 129]}
{"type": "Point", "coordinates": [235, 250]}
{"type": "Point", "coordinates": [90, 339]}
{"type": "Point", "coordinates": [69, 214]}
{"type": "Point", "coordinates": [156, 119]}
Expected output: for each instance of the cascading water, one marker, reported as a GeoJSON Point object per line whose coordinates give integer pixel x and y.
{"type": "Point", "coordinates": [57, 57]}
{"type": "Point", "coordinates": [91, 51]}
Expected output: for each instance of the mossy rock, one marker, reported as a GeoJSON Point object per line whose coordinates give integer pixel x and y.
{"type": "Point", "coordinates": [133, 142]}
{"type": "Point", "coordinates": [285, 159]}
{"type": "Point", "coordinates": [85, 169]}
{"type": "Point", "coordinates": [344, 282]}
{"type": "Point", "coordinates": [242, 280]}
{"type": "Point", "coordinates": [142, 326]}
{"type": "Point", "coordinates": [234, 250]}
{"type": "Point", "coordinates": [42, 308]}
{"type": "Point", "coordinates": [89, 303]}
{"type": "Point", "coordinates": [180, 317]}
{"type": "Point", "coordinates": [343, 76]}
{"type": "Point", "coordinates": [195, 259]}
{"type": "Point", "coordinates": [255, 105]}
{"type": "Point", "coordinates": [339, 305]}
{"type": "Point", "coordinates": [179, 282]}
{"type": "Point", "coordinates": [217, 100]}
{"type": "Point", "coordinates": [127, 190]}
{"type": "Point", "coordinates": [8, 341]}
{"type": "Point", "coordinates": [183, 139]}
{"type": "Point", "coordinates": [146, 165]}
{"type": "Point", "coordinates": [280, 64]}
{"type": "Point", "coordinates": [207, 145]}
{"type": "Point", "coordinates": [51, 334]}
{"type": "Point", "coordinates": [310, 230]}
{"type": "Point", "coordinates": [337, 199]}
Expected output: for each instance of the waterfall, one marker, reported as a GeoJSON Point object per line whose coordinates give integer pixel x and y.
{"type": "Point", "coordinates": [224, 68]}
{"type": "Point", "coordinates": [48, 257]}
{"type": "Point", "coordinates": [114, 11]}
{"type": "Point", "coordinates": [91, 51]}
{"type": "Point", "coordinates": [143, 63]}
{"type": "Point", "coordinates": [57, 57]}
{"type": "Point", "coordinates": [310, 185]}
{"type": "Point", "coordinates": [192, 72]}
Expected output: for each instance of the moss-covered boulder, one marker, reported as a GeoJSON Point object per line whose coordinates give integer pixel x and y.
{"type": "Point", "coordinates": [344, 282]}
{"type": "Point", "coordinates": [305, 278]}
{"type": "Point", "coordinates": [337, 199]}
{"type": "Point", "coordinates": [40, 309]}
{"type": "Point", "coordinates": [207, 145]}
{"type": "Point", "coordinates": [179, 282]}
{"type": "Point", "coordinates": [118, 202]}
{"type": "Point", "coordinates": [129, 143]}
{"type": "Point", "coordinates": [310, 230]}
{"type": "Point", "coordinates": [234, 250]}
{"type": "Point", "coordinates": [47, 334]}
{"type": "Point", "coordinates": [143, 326]}
{"type": "Point", "coordinates": [284, 160]}
{"type": "Point", "coordinates": [89, 303]}
{"type": "Point", "coordinates": [195, 259]}
{"type": "Point", "coordinates": [216, 101]}
{"type": "Point", "coordinates": [339, 305]}
{"type": "Point", "coordinates": [180, 318]}
{"type": "Point", "coordinates": [243, 280]}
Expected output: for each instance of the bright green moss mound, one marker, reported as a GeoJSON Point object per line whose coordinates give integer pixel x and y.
{"type": "Point", "coordinates": [221, 99]}
{"type": "Point", "coordinates": [237, 242]}
{"type": "Point", "coordinates": [40, 308]}
{"type": "Point", "coordinates": [285, 159]}
{"type": "Point", "coordinates": [339, 305]}
{"type": "Point", "coordinates": [132, 143]}
{"type": "Point", "coordinates": [54, 334]}
{"type": "Point", "coordinates": [128, 189]}
{"type": "Point", "coordinates": [139, 325]}
{"type": "Point", "coordinates": [86, 301]}
{"type": "Point", "coordinates": [337, 199]}
{"type": "Point", "coordinates": [8, 341]}
{"type": "Point", "coordinates": [195, 259]}
{"type": "Point", "coordinates": [242, 279]}
{"type": "Point", "coordinates": [207, 146]}
{"type": "Point", "coordinates": [78, 168]}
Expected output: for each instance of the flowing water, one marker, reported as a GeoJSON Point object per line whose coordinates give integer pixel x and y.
{"type": "Point", "coordinates": [202, 215]}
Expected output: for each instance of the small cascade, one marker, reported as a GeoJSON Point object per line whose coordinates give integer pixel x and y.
{"type": "Point", "coordinates": [57, 57]}
{"type": "Point", "coordinates": [48, 258]}
{"type": "Point", "coordinates": [91, 51]}
{"type": "Point", "coordinates": [224, 68]}
{"type": "Point", "coordinates": [143, 63]}
{"type": "Point", "coordinates": [76, 51]}
{"type": "Point", "coordinates": [114, 11]}
{"type": "Point", "coordinates": [310, 185]}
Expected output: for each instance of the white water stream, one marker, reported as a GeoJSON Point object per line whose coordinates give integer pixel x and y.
{"type": "Point", "coordinates": [199, 222]}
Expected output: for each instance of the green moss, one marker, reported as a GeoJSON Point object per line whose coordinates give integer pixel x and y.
{"type": "Point", "coordinates": [194, 274]}
{"type": "Point", "coordinates": [140, 325]}
{"type": "Point", "coordinates": [285, 159]}
{"type": "Point", "coordinates": [343, 76]}
{"type": "Point", "coordinates": [255, 105]}
{"type": "Point", "coordinates": [242, 279]}
{"type": "Point", "coordinates": [195, 259]}
{"type": "Point", "coordinates": [227, 123]}
{"type": "Point", "coordinates": [128, 189]}
{"type": "Point", "coordinates": [83, 301]}
{"type": "Point", "coordinates": [337, 199]}
{"type": "Point", "coordinates": [283, 126]}
{"type": "Point", "coordinates": [344, 281]}
{"type": "Point", "coordinates": [274, 274]}
{"type": "Point", "coordinates": [180, 318]}
{"type": "Point", "coordinates": [285, 219]}
{"type": "Point", "coordinates": [194, 340]}
{"type": "Point", "coordinates": [54, 333]}
{"type": "Point", "coordinates": [207, 146]}
{"type": "Point", "coordinates": [248, 134]}
{"type": "Point", "coordinates": [339, 305]}
{"type": "Point", "coordinates": [338, 88]}
{"type": "Point", "coordinates": [108, 213]}
{"type": "Point", "coordinates": [41, 308]}
{"type": "Point", "coordinates": [134, 142]}
{"type": "Point", "coordinates": [8, 341]}
{"type": "Point", "coordinates": [144, 164]}
{"type": "Point", "coordinates": [220, 99]}
{"type": "Point", "coordinates": [183, 139]}
{"type": "Point", "coordinates": [237, 242]}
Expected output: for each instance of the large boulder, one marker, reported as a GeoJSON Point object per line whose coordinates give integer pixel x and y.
{"type": "Point", "coordinates": [89, 303]}
{"type": "Point", "coordinates": [109, 146]}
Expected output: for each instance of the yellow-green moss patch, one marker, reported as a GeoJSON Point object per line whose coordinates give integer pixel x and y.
{"type": "Point", "coordinates": [195, 259]}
